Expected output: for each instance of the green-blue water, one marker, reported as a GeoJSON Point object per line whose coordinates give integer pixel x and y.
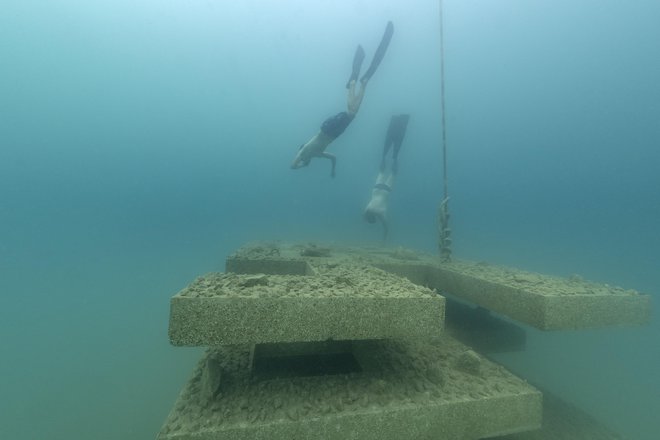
{"type": "Point", "coordinates": [141, 142]}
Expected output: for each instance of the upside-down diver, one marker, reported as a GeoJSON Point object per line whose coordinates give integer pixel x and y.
{"type": "Point", "coordinates": [335, 125]}
{"type": "Point", "coordinates": [376, 209]}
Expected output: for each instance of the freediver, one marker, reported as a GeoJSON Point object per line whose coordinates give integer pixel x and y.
{"type": "Point", "coordinates": [376, 209]}
{"type": "Point", "coordinates": [335, 125]}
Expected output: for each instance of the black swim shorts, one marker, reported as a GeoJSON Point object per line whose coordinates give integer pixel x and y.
{"type": "Point", "coordinates": [335, 125]}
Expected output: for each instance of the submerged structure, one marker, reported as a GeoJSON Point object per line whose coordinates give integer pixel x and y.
{"type": "Point", "coordinates": [310, 342]}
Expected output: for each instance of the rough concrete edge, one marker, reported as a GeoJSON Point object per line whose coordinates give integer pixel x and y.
{"type": "Point", "coordinates": [193, 335]}
{"type": "Point", "coordinates": [529, 403]}
{"type": "Point", "coordinates": [583, 312]}
{"type": "Point", "coordinates": [349, 425]}
{"type": "Point", "coordinates": [516, 304]}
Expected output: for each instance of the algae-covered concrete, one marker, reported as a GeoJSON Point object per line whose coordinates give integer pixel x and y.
{"type": "Point", "coordinates": [338, 342]}
{"type": "Point", "coordinates": [544, 302]}
{"type": "Point", "coordinates": [408, 389]}
{"type": "Point", "coordinates": [337, 303]}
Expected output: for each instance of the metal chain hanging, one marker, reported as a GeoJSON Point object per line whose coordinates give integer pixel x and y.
{"type": "Point", "coordinates": [444, 232]}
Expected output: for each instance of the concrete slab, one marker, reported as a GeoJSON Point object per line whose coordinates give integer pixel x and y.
{"type": "Point", "coordinates": [544, 302]}
{"type": "Point", "coordinates": [338, 303]}
{"type": "Point", "coordinates": [403, 390]}
{"type": "Point", "coordinates": [267, 258]}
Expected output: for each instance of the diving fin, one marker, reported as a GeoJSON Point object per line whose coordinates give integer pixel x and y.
{"type": "Point", "coordinates": [397, 128]}
{"type": "Point", "coordinates": [357, 65]}
{"type": "Point", "coordinates": [380, 52]}
{"type": "Point", "coordinates": [398, 125]}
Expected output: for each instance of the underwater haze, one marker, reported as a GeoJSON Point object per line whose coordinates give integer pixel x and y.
{"type": "Point", "coordinates": [142, 142]}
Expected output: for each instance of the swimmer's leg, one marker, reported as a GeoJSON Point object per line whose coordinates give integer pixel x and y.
{"type": "Point", "coordinates": [385, 227]}
{"type": "Point", "coordinates": [380, 53]}
{"type": "Point", "coordinates": [354, 99]}
{"type": "Point", "coordinates": [357, 65]}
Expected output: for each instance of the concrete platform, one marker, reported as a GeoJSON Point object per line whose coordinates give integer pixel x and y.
{"type": "Point", "coordinates": [544, 302]}
{"type": "Point", "coordinates": [398, 390]}
{"type": "Point", "coordinates": [336, 303]}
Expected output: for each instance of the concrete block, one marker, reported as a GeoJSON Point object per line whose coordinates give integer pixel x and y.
{"type": "Point", "coordinates": [544, 302]}
{"type": "Point", "coordinates": [403, 389]}
{"type": "Point", "coordinates": [274, 258]}
{"type": "Point", "coordinates": [338, 303]}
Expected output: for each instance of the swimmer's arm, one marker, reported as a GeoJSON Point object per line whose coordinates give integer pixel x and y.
{"type": "Point", "coordinates": [333, 159]}
{"type": "Point", "coordinates": [298, 162]}
{"type": "Point", "coordinates": [302, 157]}
{"type": "Point", "coordinates": [385, 226]}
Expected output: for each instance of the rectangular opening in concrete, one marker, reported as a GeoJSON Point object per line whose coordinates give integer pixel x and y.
{"type": "Point", "coordinates": [288, 360]}
{"type": "Point", "coordinates": [305, 365]}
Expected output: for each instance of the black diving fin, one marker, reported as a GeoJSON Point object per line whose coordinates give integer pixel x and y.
{"type": "Point", "coordinates": [380, 52]}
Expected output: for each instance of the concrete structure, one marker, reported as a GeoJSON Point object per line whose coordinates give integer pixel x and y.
{"type": "Point", "coordinates": [415, 390]}
{"type": "Point", "coordinates": [337, 303]}
{"type": "Point", "coordinates": [312, 342]}
{"type": "Point", "coordinates": [544, 302]}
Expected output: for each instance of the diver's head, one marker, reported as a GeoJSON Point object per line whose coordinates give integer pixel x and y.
{"type": "Point", "coordinates": [370, 217]}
